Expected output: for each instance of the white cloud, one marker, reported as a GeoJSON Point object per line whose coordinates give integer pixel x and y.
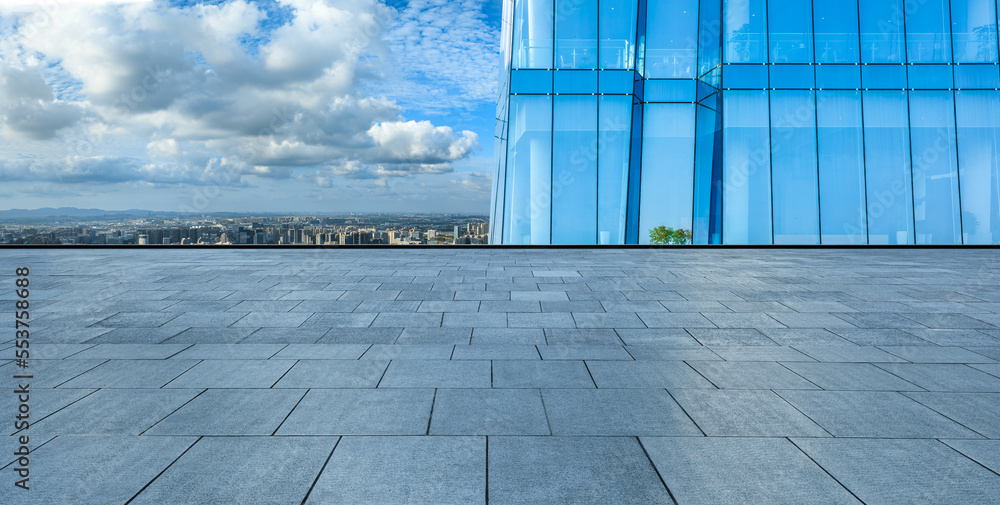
{"type": "Point", "coordinates": [124, 91]}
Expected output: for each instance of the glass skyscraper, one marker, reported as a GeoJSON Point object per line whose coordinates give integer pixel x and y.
{"type": "Point", "coordinates": [748, 122]}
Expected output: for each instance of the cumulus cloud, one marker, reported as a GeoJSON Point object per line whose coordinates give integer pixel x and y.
{"type": "Point", "coordinates": [126, 91]}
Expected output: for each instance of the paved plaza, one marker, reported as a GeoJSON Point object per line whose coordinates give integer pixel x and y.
{"type": "Point", "coordinates": [507, 376]}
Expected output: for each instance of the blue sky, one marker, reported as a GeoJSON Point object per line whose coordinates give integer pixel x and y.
{"type": "Point", "coordinates": [244, 105]}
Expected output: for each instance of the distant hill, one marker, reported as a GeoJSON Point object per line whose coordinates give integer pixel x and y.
{"type": "Point", "coordinates": [49, 212]}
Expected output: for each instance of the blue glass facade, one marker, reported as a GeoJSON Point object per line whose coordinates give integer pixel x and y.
{"type": "Point", "coordinates": [749, 122]}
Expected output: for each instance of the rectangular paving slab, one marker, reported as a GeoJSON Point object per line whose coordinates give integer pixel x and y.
{"type": "Point", "coordinates": [361, 412]}
{"type": "Point", "coordinates": [247, 412]}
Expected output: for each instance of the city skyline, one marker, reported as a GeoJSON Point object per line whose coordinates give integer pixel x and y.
{"type": "Point", "coordinates": [290, 106]}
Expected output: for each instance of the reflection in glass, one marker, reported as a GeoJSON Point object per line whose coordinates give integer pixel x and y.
{"type": "Point", "coordinates": [928, 36]}
{"type": "Point", "coordinates": [746, 171]}
{"type": "Point", "coordinates": [574, 169]}
{"type": "Point", "coordinates": [978, 115]}
{"type": "Point", "coordinates": [746, 31]}
{"type": "Point", "coordinates": [974, 30]}
{"type": "Point", "coordinates": [836, 25]}
{"type": "Point", "coordinates": [614, 118]}
{"type": "Point", "coordinates": [672, 48]}
{"type": "Point", "coordinates": [790, 31]}
{"type": "Point", "coordinates": [667, 167]}
{"type": "Point", "coordinates": [576, 34]}
{"type": "Point", "coordinates": [840, 140]}
{"type": "Point", "coordinates": [793, 167]}
{"type": "Point", "coordinates": [529, 173]}
{"type": "Point", "coordinates": [887, 168]}
{"type": "Point", "coordinates": [935, 168]}
{"type": "Point", "coordinates": [533, 34]}
{"type": "Point", "coordinates": [882, 31]}
{"type": "Point", "coordinates": [617, 25]}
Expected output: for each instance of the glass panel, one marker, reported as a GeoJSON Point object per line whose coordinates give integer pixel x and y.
{"type": "Point", "coordinates": [670, 91]}
{"type": "Point", "coordinates": [667, 168]}
{"type": "Point", "coordinates": [887, 168]}
{"type": "Point", "coordinates": [746, 31]}
{"type": "Point", "coordinates": [929, 76]}
{"type": "Point", "coordinates": [529, 170]}
{"type": "Point", "coordinates": [841, 167]}
{"type": "Point", "coordinates": [883, 76]}
{"type": "Point", "coordinates": [617, 25]}
{"type": "Point", "coordinates": [882, 31]}
{"type": "Point", "coordinates": [613, 145]}
{"type": "Point", "coordinates": [793, 167]}
{"type": "Point", "coordinates": [709, 42]}
{"type": "Point", "coordinates": [671, 48]}
{"type": "Point", "coordinates": [974, 30]}
{"type": "Point", "coordinates": [792, 76]}
{"type": "Point", "coordinates": [935, 168]}
{"type": "Point", "coordinates": [616, 81]}
{"type": "Point", "coordinates": [977, 77]}
{"type": "Point", "coordinates": [746, 168]}
{"type": "Point", "coordinates": [979, 157]}
{"type": "Point", "coordinates": [533, 34]}
{"type": "Point", "coordinates": [576, 33]}
{"type": "Point", "coordinates": [790, 31]}
{"type": "Point", "coordinates": [706, 150]}
{"type": "Point", "coordinates": [744, 76]}
{"type": "Point", "coordinates": [928, 34]}
{"type": "Point", "coordinates": [531, 81]}
{"type": "Point", "coordinates": [576, 81]}
{"type": "Point", "coordinates": [838, 76]}
{"type": "Point", "coordinates": [574, 171]}
{"type": "Point", "coordinates": [836, 25]}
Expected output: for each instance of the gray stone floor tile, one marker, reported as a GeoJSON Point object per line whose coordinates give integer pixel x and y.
{"type": "Point", "coordinates": [851, 377]}
{"type": "Point", "coordinates": [43, 402]}
{"type": "Point", "coordinates": [508, 336]}
{"type": "Point", "coordinates": [509, 306]}
{"type": "Point", "coordinates": [817, 306]}
{"type": "Point", "coordinates": [615, 412]}
{"type": "Point", "coordinates": [407, 320]}
{"type": "Point", "coordinates": [935, 354]}
{"type": "Point", "coordinates": [418, 335]}
{"type": "Point", "coordinates": [945, 377]}
{"type": "Point", "coordinates": [754, 306]}
{"type": "Point", "coordinates": [114, 412]}
{"type": "Point", "coordinates": [284, 335]}
{"type": "Point", "coordinates": [741, 470]}
{"type": "Point", "coordinates": [877, 336]}
{"type": "Point", "coordinates": [210, 336]}
{"type": "Point", "coordinates": [258, 305]}
{"type": "Point", "coordinates": [475, 319]}
{"type": "Point", "coordinates": [579, 470]}
{"type": "Point", "coordinates": [738, 413]}
{"type": "Point", "coordinates": [496, 352]}
{"type": "Point", "coordinates": [654, 352]}
{"type": "Point", "coordinates": [903, 471]}
{"type": "Point", "coordinates": [645, 374]}
{"type": "Point", "coordinates": [804, 336]}
{"type": "Point", "coordinates": [320, 351]}
{"type": "Point", "coordinates": [232, 374]}
{"type": "Point", "coordinates": [984, 452]}
{"type": "Point", "coordinates": [742, 320]}
{"type": "Point", "coordinates": [272, 320]}
{"type": "Point", "coordinates": [137, 320]}
{"type": "Point", "coordinates": [132, 373]}
{"type": "Point", "coordinates": [361, 412]}
{"type": "Point", "coordinates": [409, 351]}
{"type": "Point", "coordinates": [750, 375]}
{"type": "Point", "coordinates": [976, 411]}
{"type": "Point", "coordinates": [582, 336]}
{"type": "Point", "coordinates": [488, 412]}
{"type": "Point", "coordinates": [341, 320]}
{"type": "Point", "coordinates": [49, 373]}
{"type": "Point", "coordinates": [730, 336]}
{"type": "Point", "coordinates": [333, 373]}
{"type": "Point", "coordinates": [677, 337]}
{"type": "Point", "coordinates": [587, 352]}
{"type": "Point", "coordinates": [98, 470]}
{"type": "Point", "coordinates": [607, 320]}
{"type": "Point", "coordinates": [935, 320]}
{"type": "Point", "coordinates": [548, 296]}
{"type": "Point", "coordinates": [992, 352]}
{"type": "Point", "coordinates": [312, 295]}
{"type": "Point", "coordinates": [327, 305]}
{"type": "Point", "coordinates": [136, 336]}
{"type": "Point", "coordinates": [246, 470]}
{"type": "Point", "coordinates": [640, 306]}
{"type": "Point", "coordinates": [360, 336]}
{"type": "Point", "coordinates": [203, 306]}
{"type": "Point", "coordinates": [448, 306]}
{"type": "Point", "coordinates": [64, 335]}
{"type": "Point", "coordinates": [437, 374]}
{"type": "Point", "coordinates": [590, 306]}
{"type": "Point", "coordinates": [964, 337]}
{"type": "Point", "coordinates": [759, 353]}
{"type": "Point", "coordinates": [848, 354]}
{"type": "Point", "coordinates": [375, 306]}
{"type": "Point", "coordinates": [541, 374]}
{"type": "Point", "coordinates": [474, 295]}
{"type": "Point", "coordinates": [698, 306]}
{"type": "Point", "coordinates": [55, 351]}
{"type": "Point", "coordinates": [878, 320]}
{"type": "Point", "coordinates": [412, 470]}
{"type": "Point", "coordinates": [809, 320]}
{"type": "Point", "coordinates": [874, 414]}
{"type": "Point", "coordinates": [674, 320]}
{"type": "Point", "coordinates": [205, 319]}
{"type": "Point", "coordinates": [992, 368]}
{"type": "Point", "coordinates": [247, 412]}
{"type": "Point", "coordinates": [131, 351]}
{"type": "Point", "coordinates": [541, 320]}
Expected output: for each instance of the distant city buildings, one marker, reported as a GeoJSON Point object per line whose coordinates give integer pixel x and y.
{"type": "Point", "coordinates": [272, 230]}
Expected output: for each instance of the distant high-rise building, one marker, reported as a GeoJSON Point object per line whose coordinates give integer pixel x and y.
{"type": "Point", "coordinates": [143, 239]}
